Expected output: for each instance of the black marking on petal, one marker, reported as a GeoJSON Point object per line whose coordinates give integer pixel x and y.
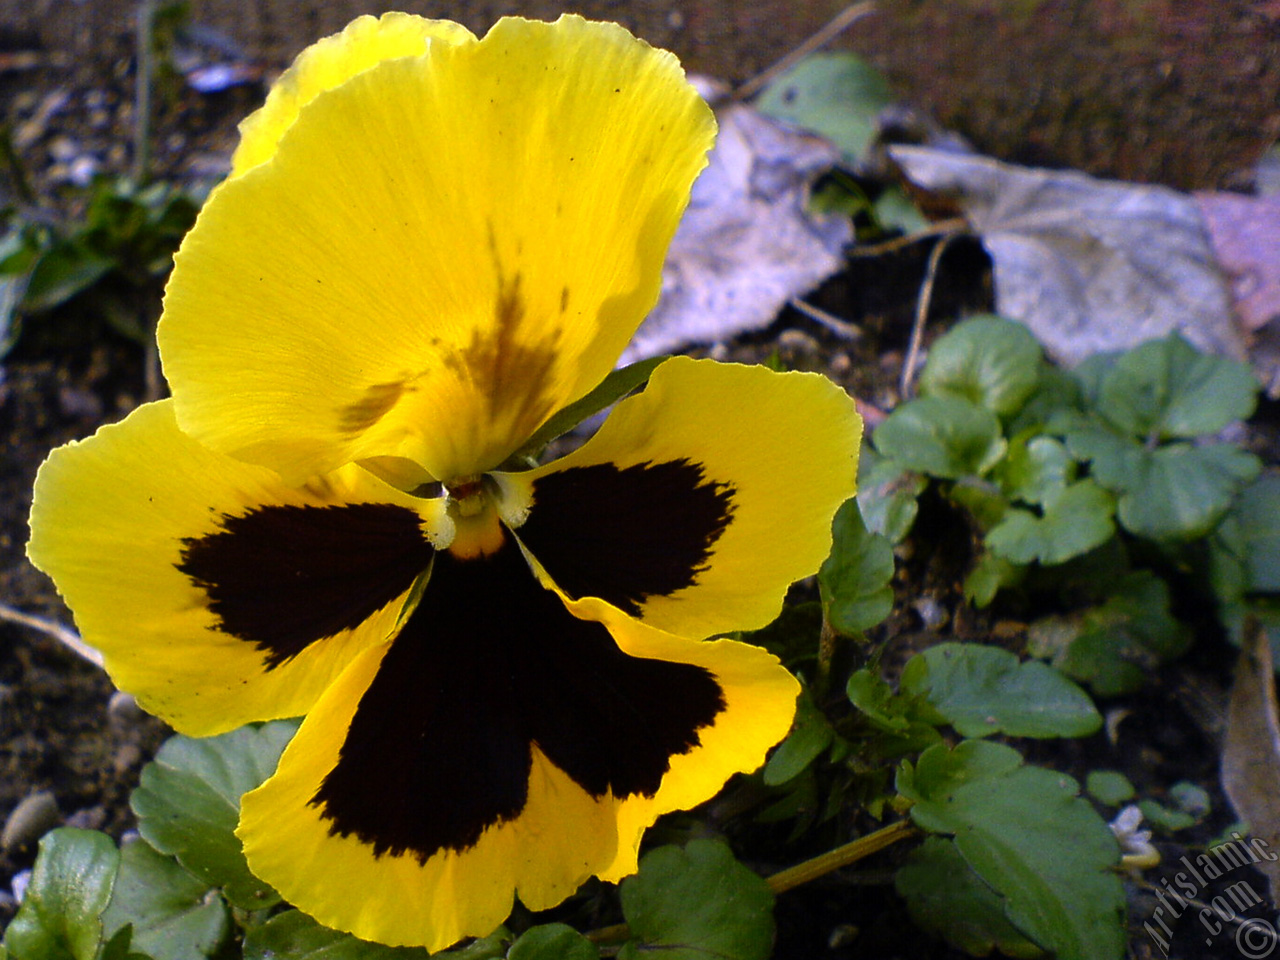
{"type": "Point", "coordinates": [489, 665]}
{"type": "Point", "coordinates": [624, 535]}
{"type": "Point", "coordinates": [283, 577]}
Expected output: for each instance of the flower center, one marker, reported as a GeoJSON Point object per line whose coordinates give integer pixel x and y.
{"type": "Point", "coordinates": [473, 509]}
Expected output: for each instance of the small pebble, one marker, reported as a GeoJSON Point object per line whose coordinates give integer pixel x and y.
{"type": "Point", "coordinates": [932, 614]}
{"type": "Point", "coordinates": [798, 341]}
{"type": "Point", "coordinates": [123, 712]}
{"type": "Point", "coordinates": [127, 756]}
{"type": "Point", "coordinates": [31, 819]}
{"type": "Point", "coordinates": [90, 818]}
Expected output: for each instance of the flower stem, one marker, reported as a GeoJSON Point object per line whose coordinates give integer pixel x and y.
{"type": "Point", "coordinates": [851, 852]}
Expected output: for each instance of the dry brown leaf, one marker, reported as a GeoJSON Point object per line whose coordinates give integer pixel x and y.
{"type": "Point", "coordinates": [1251, 752]}
{"type": "Point", "coordinates": [747, 244]}
{"type": "Point", "coordinates": [1089, 265]}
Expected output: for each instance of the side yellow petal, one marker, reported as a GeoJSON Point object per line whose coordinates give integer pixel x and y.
{"type": "Point", "coordinates": [111, 518]}
{"type": "Point", "coordinates": [442, 252]}
{"type": "Point", "coordinates": [329, 62]}
{"type": "Point", "coordinates": [700, 500]}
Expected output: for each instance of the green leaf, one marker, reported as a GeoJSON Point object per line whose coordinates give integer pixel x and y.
{"type": "Point", "coordinates": [887, 493]}
{"type": "Point", "coordinates": [1056, 393]}
{"type": "Point", "coordinates": [906, 723]}
{"type": "Point", "coordinates": [948, 898]}
{"type": "Point", "coordinates": [1253, 540]}
{"type": "Point", "coordinates": [1164, 819]}
{"type": "Point", "coordinates": [171, 912]}
{"type": "Point", "coordinates": [553, 941]}
{"type": "Point", "coordinates": [1108, 787]}
{"type": "Point", "coordinates": [838, 95]}
{"type": "Point", "coordinates": [698, 903]}
{"type": "Point", "coordinates": [1184, 490]}
{"type": "Point", "coordinates": [942, 436]}
{"type": "Point", "coordinates": [988, 575]}
{"type": "Point", "coordinates": [1167, 388]}
{"type": "Point", "coordinates": [984, 690]}
{"type": "Point", "coordinates": [854, 581]}
{"type": "Point", "coordinates": [988, 360]}
{"type": "Point", "coordinates": [1074, 522]}
{"type": "Point", "coordinates": [1111, 646]}
{"type": "Point", "coordinates": [894, 210]}
{"type": "Point", "coordinates": [62, 272]}
{"type": "Point", "coordinates": [61, 914]}
{"type": "Point", "coordinates": [811, 734]}
{"type": "Point", "coordinates": [293, 935]}
{"type": "Point", "coordinates": [1174, 492]}
{"type": "Point", "coordinates": [1035, 470]}
{"type": "Point", "coordinates": [614, 387]}
{"type": "Point", "coordinates": [188, 804]}
{"type": "Point", "coordinates": [1028, 835]}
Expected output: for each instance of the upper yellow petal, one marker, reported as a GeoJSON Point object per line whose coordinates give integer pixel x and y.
{"type": "Point", "coordinates": [111, 519]}
{"type": "Point", "coordinates": [442, 251]}
{"type": "Point", "coordinates": [326, 64]}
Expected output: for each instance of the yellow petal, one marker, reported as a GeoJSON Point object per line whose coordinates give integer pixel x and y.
{"type": "Point", "coordinates": [422, 792]}
{"type": "Point", "coordinates": [701, 499]}
{"type": "Point", "coordinates": [326, 64]}
{"type": "Point", "coordinates": [216, 594]}
{"type": "Point", "coordinates": [442, 251]}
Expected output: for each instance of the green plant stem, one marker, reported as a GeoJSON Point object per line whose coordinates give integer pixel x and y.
{"type": "Point", "coordinates": [801, 873]}
{"type": "Point", "coordinates": [851, 852]}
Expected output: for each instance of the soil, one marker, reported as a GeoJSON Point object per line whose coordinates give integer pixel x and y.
{"type": "Point", "coordinates": [62, 731]}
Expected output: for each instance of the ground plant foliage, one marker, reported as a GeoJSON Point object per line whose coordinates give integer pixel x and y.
{"type": "Point", "coordinates": [1012, 664]}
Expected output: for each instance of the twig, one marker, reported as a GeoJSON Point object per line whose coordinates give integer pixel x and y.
{"type": "Point", "coordinates": [906, 381]}
{"type": "Point", "coordinates": [842, 21]}
{"type": "Point", "coordinates": [941, 228]}
{"type": "Point", "coordinates": [842, 328]}
{"type": "Point", "coordinates": [142, 92]}
{"type": "Point", "coordinates": [51, 628]}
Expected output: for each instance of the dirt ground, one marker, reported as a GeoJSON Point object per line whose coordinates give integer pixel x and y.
{"type": "Point", "coordinates": [60, 729]}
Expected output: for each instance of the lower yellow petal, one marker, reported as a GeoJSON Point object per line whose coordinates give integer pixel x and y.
{"type": "Point", "coordinates": [132, 523]}
{"type": "Point", "coordinates": [700, 500]}
{"type": "Point", "coordinates": [326, 64]}
{"type": "Point", "coordinates": [421, 794]}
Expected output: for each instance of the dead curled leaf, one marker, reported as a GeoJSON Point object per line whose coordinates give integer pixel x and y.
{"type": "Point", "coordinates": [1089, 265]}
{"type": "Point", "coordinates": [1250, 766]}
{"type": "Point", "coordinates": [746, 244]}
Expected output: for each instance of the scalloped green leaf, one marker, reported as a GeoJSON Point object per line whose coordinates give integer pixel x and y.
{"type": "Point", "coordinates": [553, 941]}
{"type": "Point", "coordinates": [188, 804]}
{"type": "Point", "coordinates": [698, 903]}
{"type": "Point", "coordinates": [988, 360]}
{"type": "Point", "coordinates": [292, 935]}
{"type": "Point", "coordinates": [1183, 491]}
{"type": "Point", "coordinates": [1028, 835]}
{"type": "Point", "coordinates": [838, 95]}
{"type": "Point", "coordinates": [1168, 389]}
{"type": "Point", "coordinates": [170, 910]}
{"type": "Point", "coordinates": [61, 914]}
{"type": "Point", "coordinates": [946, 437]}
{"type": "Point", "coordinates": [1035, 470]}
{"type": "Point", "coordinates": [1074, 521]}
{"type": "Point", "coordinates": [854, 580]}
{"type": "Point", "coordinates": [948, 898]}
{"type": "Point", "coordinates": [887, 493]}
{"type": "Point", "coordinates": [811, 734]}
{"type": "Point", "coordinates": [983, 690]}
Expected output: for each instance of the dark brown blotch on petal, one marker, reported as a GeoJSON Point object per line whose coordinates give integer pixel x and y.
{"type": "Point", "coordinates": [377, 402]}
{"type": "Point", "coordinates": [488, 666]}
{"type": "Point", "coordinates": [626, 534]}
{"type": "Point", "coordinates": [283, 577]}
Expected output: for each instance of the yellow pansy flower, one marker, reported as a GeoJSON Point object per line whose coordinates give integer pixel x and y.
{"type": "Point", "coordinates": [428, 245]}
